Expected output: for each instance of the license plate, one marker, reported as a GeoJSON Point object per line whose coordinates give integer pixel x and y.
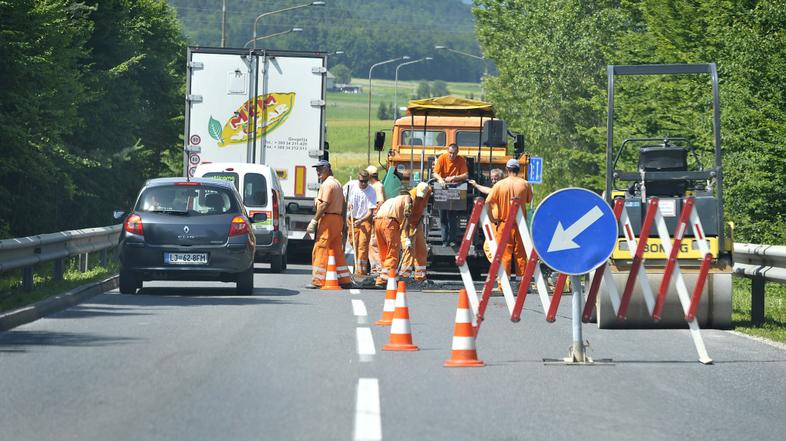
{"type": "Point", "coordinates": [186, 258]}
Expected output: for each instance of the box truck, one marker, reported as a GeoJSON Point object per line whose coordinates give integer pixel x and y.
{"type": "Point", "coordinates": [259, 106]}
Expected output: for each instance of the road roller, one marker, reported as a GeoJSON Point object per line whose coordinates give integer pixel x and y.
{"type": "Point", "coordinates": [669, 174]}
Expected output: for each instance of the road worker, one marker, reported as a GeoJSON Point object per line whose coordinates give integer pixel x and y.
{"type": "Point", "coordinates": [495, 176]}
{"type": "Point", "coordinates": [327, 228]}
{"type": "Point", "coordinates": [390, 219]}
{"type": "Point", "coordinates": [373, 249]}
{"type": "Point", "coordinates": [413, 240]}
{"type": "Point", "coordinates": [450, 168]}
{"type": "Point", "coordinates": [498, 202]}
{"type": "Point", "coordinates": [361, 202]}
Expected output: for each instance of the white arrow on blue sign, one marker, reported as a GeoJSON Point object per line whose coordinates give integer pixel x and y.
{"type": "Point", "coordinates": [574, 230]}
{"type": "Point", "coordinates": [535, 172]}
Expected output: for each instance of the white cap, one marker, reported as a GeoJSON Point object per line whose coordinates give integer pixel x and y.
{"type": "Point", "coordinates": [512, 163]}
{"type": "Point", "coordinates": [372, 170]}
{"type": "Point", "coordinates": [420, 190]}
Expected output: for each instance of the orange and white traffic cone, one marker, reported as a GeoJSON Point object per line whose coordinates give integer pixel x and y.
{"type": "Point", "coordinates": [400, 333]}
{"type": "Point", "coordinates": [331, 277]}
{"type": "Point", "coordinates": [463, 353]}
{"type": "Point", "coordinates": [390, 301]}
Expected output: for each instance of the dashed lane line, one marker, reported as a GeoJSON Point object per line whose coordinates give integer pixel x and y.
{"type": "Point", "coordinates": [368, 419]}
{"type": "Point", "coordinates": [365, 344]}
{"type": "Point", "coordinates": [359, 309]}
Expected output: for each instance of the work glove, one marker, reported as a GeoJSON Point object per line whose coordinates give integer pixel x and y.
{"type": "Point", "coordinates": [407, 243]}
{"type": "Point", "coordinates": [312, 227]}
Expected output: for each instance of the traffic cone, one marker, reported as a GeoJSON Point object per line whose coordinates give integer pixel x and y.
{"type": "Point", "coordinates": [400, 333]}
{"type": "Point", "coordinates": [463, 353]}
{"type": "Point", "coordinates": [390, 301]}
{"type": "Point", "coordinates": [331, 277]}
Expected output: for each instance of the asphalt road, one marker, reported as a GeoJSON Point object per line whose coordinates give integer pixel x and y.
{"type": "Point", "coordinates": [192, 361]}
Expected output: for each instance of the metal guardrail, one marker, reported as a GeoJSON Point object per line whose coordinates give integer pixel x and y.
{"type": "Point", "coordinates": [761, 264]}
{"type": "Point", "coordinates": [25, 252]}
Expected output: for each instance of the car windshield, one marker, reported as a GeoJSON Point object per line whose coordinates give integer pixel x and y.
{"type": "Point", "coordinates": [192, 200]}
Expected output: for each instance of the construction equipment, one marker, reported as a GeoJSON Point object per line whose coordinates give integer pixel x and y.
{"type": "Point", "coordinates": [426, 131]}
{"type": "Point", "coordinates": [670, 171]}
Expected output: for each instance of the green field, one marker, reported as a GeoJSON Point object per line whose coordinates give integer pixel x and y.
{"type": "Point", "coordinates": [348, 122]}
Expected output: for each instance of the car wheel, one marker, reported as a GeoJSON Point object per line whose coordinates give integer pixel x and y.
{"type": "Point", "coordinates": [245, 282]}
{"type": "Point", "coordinates": [277, 263]}
{"type": "Point", "coordinates": [129, 282]}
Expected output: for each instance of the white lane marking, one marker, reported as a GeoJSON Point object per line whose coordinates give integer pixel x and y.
{"type": "Point", "coordinates": [365, 343]}
{"type": "Point", "coordinates": [368, 421]}
{"type": "Point", "coordinates": [359, 309]}
{"type": "Point", "coordinates": [354, 291]}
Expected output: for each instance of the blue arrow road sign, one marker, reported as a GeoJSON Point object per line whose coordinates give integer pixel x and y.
{"type": "Point", "coordinates": [535, 172]}
{"type": "Point", "coordinates": [574, 230]}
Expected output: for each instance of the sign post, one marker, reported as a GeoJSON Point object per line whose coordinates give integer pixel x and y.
{"type": "Point", "coordinates": [574, 231]}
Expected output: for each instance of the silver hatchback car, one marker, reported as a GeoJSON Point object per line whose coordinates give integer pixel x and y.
{"type": "Point", "coordinates": [184, 229]}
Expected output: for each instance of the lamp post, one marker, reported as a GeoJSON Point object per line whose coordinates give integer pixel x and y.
{"type": "Point", "coordinates": [392, 60]}
{"type": "Point", "coordinates": [481, 58]}
{"type": "Point", "coordinates": [265, 37]}
{"type": "Point", "coordinates": [395, 84]}
{"type": "Point", "coordinates": [265, 14]}
{"type": "Point", "coordinates": [223, 21]}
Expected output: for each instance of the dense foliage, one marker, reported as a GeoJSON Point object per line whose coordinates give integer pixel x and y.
{"type": "Point", "coordinates": [367, 31]}
{"type": "Point", "coordinates": [551, 57]}
{"type": "Point", "coordinates": [90, 106]}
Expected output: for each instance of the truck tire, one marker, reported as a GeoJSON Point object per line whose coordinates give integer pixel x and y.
{"type": "Point", "coordinates": [244, 285]}
{"type": "Point", "coordinates": [129, 282]}
{"type": "Point", "coordinates": [277, 263]}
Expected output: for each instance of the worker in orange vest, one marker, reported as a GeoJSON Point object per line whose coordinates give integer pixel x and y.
{"type": "Point", "coordinates": [498, 201]}
{"type": "Point", "coordinates": [327, 228]}
{"type": "Point", "coordinates": [450, 168]}
{"type": "Point", "coordinates": [414, 254]}
{"type": "Point", "coordinates": [390, 219]}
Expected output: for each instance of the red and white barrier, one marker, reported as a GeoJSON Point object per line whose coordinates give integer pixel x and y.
{"type": "Point", "coordinates": [638, 271]}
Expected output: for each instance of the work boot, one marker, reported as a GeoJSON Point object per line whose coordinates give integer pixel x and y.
{"type": "Point", "coordinates": [312, 286]}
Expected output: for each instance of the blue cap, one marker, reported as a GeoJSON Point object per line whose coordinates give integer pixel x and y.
{"type": "Point", "coordinates": [512, 163]}
{"type": "Point", "coordinates": [321, 163]}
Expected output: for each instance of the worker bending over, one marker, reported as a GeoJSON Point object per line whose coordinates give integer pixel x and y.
{"type": "Point", "coordinates": [390, 219]}
{"type": "Point", "coordinates": [502, 193]}
{"type": "Point", "coordinates": [361, 202]}
{"type": "Point", "coordinates": [413, 242]}
{"type": "Point", "coordinates": [327, 228]}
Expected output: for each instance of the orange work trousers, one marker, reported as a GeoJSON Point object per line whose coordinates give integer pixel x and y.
{"type": "Point", "coordinates": [389, 241]}
{"type": "Point", "coordinates": [413, 260]}
{"type": "Point", "coordinates": [373, 251]}
{"type": "Point", "coordinates": [361, 236]}
{"type": "Point", "coordinates": [514, 248]}
{"type": "Point", "coordinates": [329, 237]}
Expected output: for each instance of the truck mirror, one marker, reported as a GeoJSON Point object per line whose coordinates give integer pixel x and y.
{"type": "Point", "coordinates": [325, 156]}
{"type": "Point", "coordinates": [494, 133]}
{"type": "Point", "coordinates": [379, 141]}
{"type": "Point", "coordinates": [518, 145]}
{"type": "Point", "coordinates": [327, 146]}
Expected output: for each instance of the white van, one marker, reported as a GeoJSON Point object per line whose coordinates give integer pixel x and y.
{"type": "Point", "coordinates": [261, 191]}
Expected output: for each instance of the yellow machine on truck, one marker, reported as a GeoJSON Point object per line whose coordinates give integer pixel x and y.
{"type": "Point", "coordinates": [425, 132]}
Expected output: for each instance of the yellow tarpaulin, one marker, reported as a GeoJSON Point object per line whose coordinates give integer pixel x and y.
{"type": "Point", "coordinates": [450, 106]}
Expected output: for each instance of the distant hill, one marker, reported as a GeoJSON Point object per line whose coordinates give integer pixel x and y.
{"type": "Point", "coordinates": [368, 31]}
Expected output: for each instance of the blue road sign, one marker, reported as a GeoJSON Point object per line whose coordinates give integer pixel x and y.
{"type": "Point", "coordinates": [574, 230]}
{"type": "Point", "coordinates": [535, 172]}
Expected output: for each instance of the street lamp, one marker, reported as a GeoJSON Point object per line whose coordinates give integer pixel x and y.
{"type": "Point", "coordinates": [265, 37]}
{"type": "Point", "coordinates": [265, 14]}
{"type": "Point", "coordinates": [481, 58]}
{"type": "Point", "coordinates": [392, 60]}
{"type": "Point", "coordinates": [395, 84]}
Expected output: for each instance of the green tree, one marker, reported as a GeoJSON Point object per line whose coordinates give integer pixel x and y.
{"type": "Point", "coordinates": [439, 88]}
{"type": "Point", "coordinates": [384, 112]}
{"type": "Point", "coordinates": [423, 90]}
{"type": "Point", "coordinates": [342, 73]}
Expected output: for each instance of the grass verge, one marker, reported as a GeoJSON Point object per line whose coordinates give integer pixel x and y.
{"type": "Point", "coordinates": [12, 296]}
{"type": "Point", "coordinates": [774, 326]}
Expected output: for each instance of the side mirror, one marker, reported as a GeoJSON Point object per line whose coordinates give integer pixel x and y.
{"type": "Point", "coordinates": [518, 145]}
{"type": "Point", "coordinates": [118, 214]}
{"type": "Point", "coordinates": [259, 217]}
{"type": "Point", "coordinates": [379, 141]}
